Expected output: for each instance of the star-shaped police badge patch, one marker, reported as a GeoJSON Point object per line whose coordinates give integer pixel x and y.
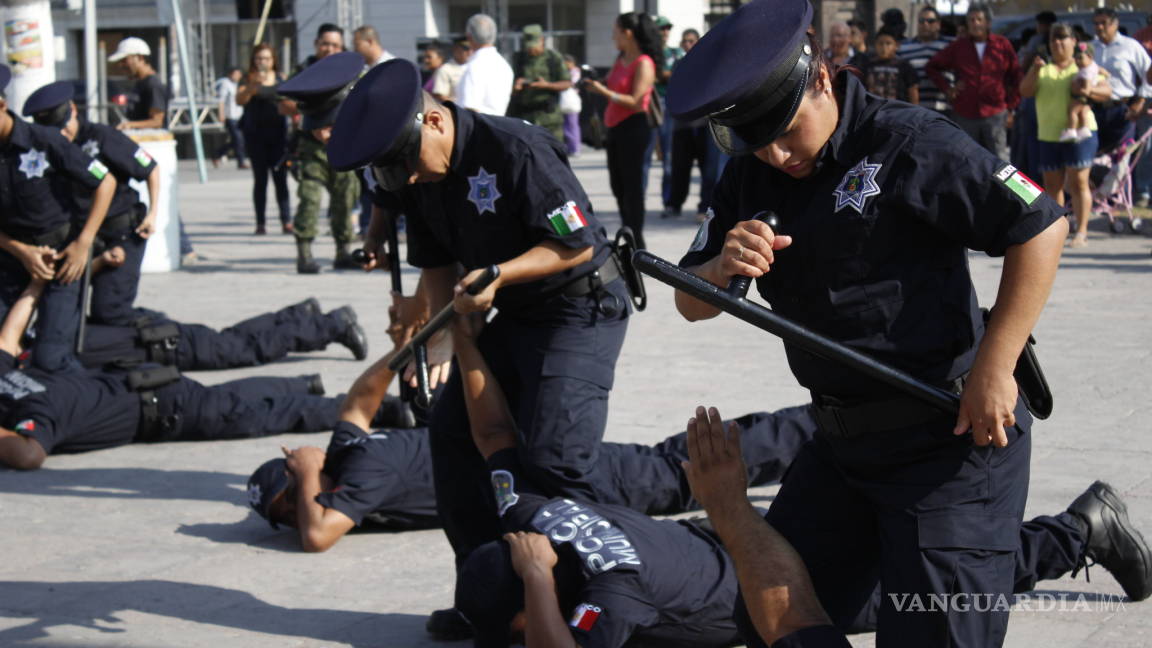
{"type": "Point", "coordinates": [33, 163]}
{"type": "Point", "coordinates": [857, 186]}
{"type": "Point", "coordinates": [254, 495]}
{"type": "Point", "coordinates": [482, 191]}
{"type": "Point", "coordinates": [91, 148]}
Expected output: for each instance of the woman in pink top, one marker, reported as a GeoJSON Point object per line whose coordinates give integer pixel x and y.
{"type": "Point", "coordinates": [628, 90]}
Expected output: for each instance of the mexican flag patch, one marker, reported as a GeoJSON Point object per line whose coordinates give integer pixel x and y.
{"type": "Point", "coordinates": [1020, 184]}
{"type": "Point", "coordinates": [584, 617]}
{"type": "Point", "coordinates": [142, 157]}
{"type": "Point", "coordinates": [567, 219]}
{"type": "Point", "coordinates": [97, 169]}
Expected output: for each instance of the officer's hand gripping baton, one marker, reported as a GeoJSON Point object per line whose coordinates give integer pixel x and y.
{"type": "Point", "coordinates": [417, 346]}
{"type": "Point", "coordinates": [763, 318]}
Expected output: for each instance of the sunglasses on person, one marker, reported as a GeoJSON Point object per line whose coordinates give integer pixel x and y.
{"type": "Point", "coordinates": [928, 21]}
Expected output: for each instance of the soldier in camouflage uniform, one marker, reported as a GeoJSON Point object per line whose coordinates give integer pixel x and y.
{"type": "Point", "coordinates": [318, 91]}
{"type": "Point", "coordinates": [540, 78]}
{"type": "Point", "coordinates": [316, 177]}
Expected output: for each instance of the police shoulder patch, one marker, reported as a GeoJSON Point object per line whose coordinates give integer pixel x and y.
{"type": "Point", "coordinates": [504, 487]}
{"type": "Point", "coordinates": [584, 617]}
{"type": "Point", "coordinates": [142, 157]}
{"type": "Point", "coordinates": [1018, 183]}
{"type": "Point", "coordinates": [701, 240]}
{"type": "Point", "coordinates": [97, 169]}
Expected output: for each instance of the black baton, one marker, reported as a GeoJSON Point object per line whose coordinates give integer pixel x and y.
{"type": "Point", "coordinates": [85, 284]}
{"type": "Point", "coordinates": [793, 333]}
{"type": "Point", "coordinates": [409, 352]}
{"type": "Point", "coordinates": [740, 284]}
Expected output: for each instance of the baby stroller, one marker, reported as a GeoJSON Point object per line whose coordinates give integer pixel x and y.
{"type": "Point", "coordinates": [1111, 181]}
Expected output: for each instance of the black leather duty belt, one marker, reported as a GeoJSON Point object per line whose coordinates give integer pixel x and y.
{"type": "Point", "coordinates": [838, 419]}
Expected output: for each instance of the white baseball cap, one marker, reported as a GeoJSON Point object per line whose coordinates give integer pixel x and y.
{"type": "Point", "coordinates": [129, 46]}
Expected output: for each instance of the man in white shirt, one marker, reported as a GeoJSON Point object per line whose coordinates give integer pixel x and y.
{"type": "Point", "coordinates": [366, 42]}
{"type": "Point", "coordinates": [1127, 63]}
{"type": "Point", "coordinates": [230, 113]}
{"type": "Point", "coordinates": [486, 84]}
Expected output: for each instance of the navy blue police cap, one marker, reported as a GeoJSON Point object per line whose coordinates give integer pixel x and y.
{"type": "Point", "coordinates": [50, 105]}
{"type": "Point", "coordinates": [265, 485]}
{"type": "Point", "coordinates": [380, 124]}
{"type": "Point", "coordinates": [320, 87]}
{"type": "Point", "coordinates": [746, 75]}
{"type": "Point", "coordinates": [489, 593]}
{"type": "Point", "coordinates": [5, 77]}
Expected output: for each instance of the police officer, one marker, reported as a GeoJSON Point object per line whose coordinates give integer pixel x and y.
{"type": "Point", "coordinates": [255, 341]}
{"type": "Point", "coordinates": [877, 203]}
{"type": "Point", "coordinates": [37, 237]}
{"type": "Point", "coordinates": [481, 190]}
{"type": "Point", "coordinates": [318, 91]}
{"type": "Point", "coordinates": [128, 223]}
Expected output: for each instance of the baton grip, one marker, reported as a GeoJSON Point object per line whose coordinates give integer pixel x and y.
{"type": "Point", "coordinates": [440, 320]}
{"type": "Point", "coordinates": [423, 393]}
{"type": "Point", "coordinates": [360, 256]}
{"type": "Point", "coordinates": [739, 285]}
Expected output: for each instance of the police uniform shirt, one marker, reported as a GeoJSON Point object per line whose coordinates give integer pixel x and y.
{"type": "Point", "coordinates": [126, 159]}
{"type": "Point", "coordinates": [662, 581]}
{"type": "Point", "coordinates": [878, 259]}
{"type": "Point", "coordinates": [67, 411]}
{"type": "Point", "coordinates": [148, 94]}
{"type": "Point", "coordinates": [508, 189]}
{"type": "Point", "coordinates": [34, 166]}
{"type": "Point", "coordinates": [383, 479]}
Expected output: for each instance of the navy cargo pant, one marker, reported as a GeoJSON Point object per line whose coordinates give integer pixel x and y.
{"type": "Point", "coordinates": [252, 342]}
{"type": "Point", "coordinates": [251, 407]}
{"type": "Point", "coordinates": [555, 362]}
{"type": "Point", "coordinates": [114, 289]}
{"type": "Point", "coordinates": [57, 316]}
{"type": "Point", "coordinates": [921, 513]}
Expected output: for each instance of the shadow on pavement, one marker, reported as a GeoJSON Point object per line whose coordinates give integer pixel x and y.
{"type": "Point", "coordinates": [128, 483]}
{"type": "Point", "coordinates": [95, 605]}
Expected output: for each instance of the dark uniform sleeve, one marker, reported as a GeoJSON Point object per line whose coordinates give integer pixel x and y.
{"type": "Point", "coordinates": [72, 162]}
{"type": "Point", "coordinates": [424, 251]}
{"type": "Point", "coordinates": [955, 185]}
{"type": "Point", "coordinates": [720, 218]}
{"type": "Point", "coordinates": [362, 486]}
{"type": "Point", "coordinates": [555, 207]}
{"type": "Point", "coordinates": [517, 498]}
{"type": "Point", "coordinates": [124, 156]}
{"type": "Point", "coordinates": [610, 611]}
{"type": "Point", "coordinates": [7, 361]}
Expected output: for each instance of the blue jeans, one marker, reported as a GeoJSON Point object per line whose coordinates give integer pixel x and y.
{"type": "Point", "coordinates": [664, 133]}
{"type": "Point", "coordinates": [1142, 174]}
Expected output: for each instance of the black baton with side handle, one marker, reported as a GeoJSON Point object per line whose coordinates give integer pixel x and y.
{"type": "Point", "coordinates": [416, 349]}
{"type": "Point", "coordinates": [85, 285]}
{"type": "Point", "coordinates": [727, 300]}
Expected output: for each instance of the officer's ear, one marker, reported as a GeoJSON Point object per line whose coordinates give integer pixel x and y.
{"type": "Point", "coordinates": [3, 104]}
{"type": "Point", "coordinates": [436, 118]}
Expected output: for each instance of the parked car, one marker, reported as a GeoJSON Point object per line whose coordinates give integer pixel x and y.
{"type": "Point", "coordinates": [1013, 26]}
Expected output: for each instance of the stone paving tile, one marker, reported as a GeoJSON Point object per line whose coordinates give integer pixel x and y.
{"type": "Point", "coordinates": [153, 545]}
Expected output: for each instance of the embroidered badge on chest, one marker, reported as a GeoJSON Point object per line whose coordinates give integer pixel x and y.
{"type": "Point", "coordinates": [482, 191]}
{"type": "Point", "coordinates": [91, 148]}
{"type": "Point", "coordinates": [33, 164]}
{"type": "Point", "coordinates": [857, 186]}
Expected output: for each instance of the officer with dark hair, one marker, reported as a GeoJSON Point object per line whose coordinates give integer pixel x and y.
{"type": "Point", "coordinates": [255, 341]}
{"type": "Point", "coordinates": [878, 203]}
{"type": "Point", "coordinates": [480, 190]}
{"type": "Point", "coordinates": [37, 236]}
{"type": "Point", "coordinates": [318, 91]}
{"type": "Point", "coordinates": [128, 223]}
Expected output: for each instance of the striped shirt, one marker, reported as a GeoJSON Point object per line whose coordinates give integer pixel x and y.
{"type": "Point", "coordinates": [917, 53]}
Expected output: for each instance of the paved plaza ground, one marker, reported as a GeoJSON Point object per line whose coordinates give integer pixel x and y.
{"type": "Point", "coordinates": [155, 546]}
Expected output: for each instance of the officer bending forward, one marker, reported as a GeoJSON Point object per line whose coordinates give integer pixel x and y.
{"type": "Point", "coordinates": [481, 190]}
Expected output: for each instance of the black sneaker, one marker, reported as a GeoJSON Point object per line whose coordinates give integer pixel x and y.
{"type": "Point", "coordinates": [448, 625]}
{"type": "Point", "coordinates": [351, 335]}
{"type": "Point", "coordinates": [1112, 542]}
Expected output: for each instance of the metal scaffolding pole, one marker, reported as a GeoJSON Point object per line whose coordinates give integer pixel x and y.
{"type": "Point", "coordinates": [91, 59]}
{"type": "Point", "coordinates": [189, 88]}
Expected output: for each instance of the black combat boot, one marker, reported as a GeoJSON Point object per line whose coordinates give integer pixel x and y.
{"type": "Point", "coordinates": [305, 264]}
{"type": "Point", "coordinates": [351, 334]}
{"type": "Point", "coordinates": [343, 260]}
{"type": "Point", "coordinates": [448, 625]}
{"type": "Point", "coordinates": [1111, 541]}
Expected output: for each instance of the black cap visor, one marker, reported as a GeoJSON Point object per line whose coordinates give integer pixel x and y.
{"type": "Point", "coordinates": [756, 121]}
{"type": "Point", "coordinates": [57, 117]}
{"type": "Point", "coordinates": [393, 169]}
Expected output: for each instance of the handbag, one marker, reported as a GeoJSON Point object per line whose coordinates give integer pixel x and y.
{"type": "Point", "coordinates": [570, 103]}
{"type": "Point", "coordinates": [655, 110]}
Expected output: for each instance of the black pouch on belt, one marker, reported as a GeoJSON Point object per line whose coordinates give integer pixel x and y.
{"type": "Point", "coordinates": [149, 378]}
{"type": "Point", "coordinates": [1030, 379]}
{"type": "Point", "coordinates": [160, 340]}
{"type": "Point", "coordinates": [622, 249]}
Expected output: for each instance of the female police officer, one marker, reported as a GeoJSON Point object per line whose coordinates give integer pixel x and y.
{"type": "Point", "coordinates": [480, 190]}
{"type": "Point", "coordinates": [877, 203]}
